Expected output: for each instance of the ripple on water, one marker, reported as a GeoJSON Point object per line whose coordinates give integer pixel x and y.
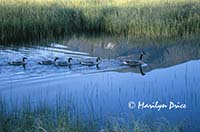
{"type": "Point", "coordinates": [34, 72]}
{"type": "Point", "coordinates": [109, 90]}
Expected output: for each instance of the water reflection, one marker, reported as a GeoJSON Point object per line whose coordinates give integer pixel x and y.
{"type": "Point", "coordinates": [172, 74]}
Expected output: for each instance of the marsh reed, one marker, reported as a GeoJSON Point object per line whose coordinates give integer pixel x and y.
{"type": "Point", "coordinates": [64, 117]}
{"type": "Point", "coordinates": [22, 20]}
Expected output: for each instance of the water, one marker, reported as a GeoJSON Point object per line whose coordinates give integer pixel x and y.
{"type": "Point", "coordinates": [171, 75]}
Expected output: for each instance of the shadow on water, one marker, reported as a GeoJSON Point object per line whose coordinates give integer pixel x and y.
{"type": "Point", "coordinates": [172, 74]}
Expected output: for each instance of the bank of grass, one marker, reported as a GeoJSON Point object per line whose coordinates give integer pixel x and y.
{"type": "Point", "coordinates": [62, 118]}
{"type": "Point", "coordinates": [22, 20]}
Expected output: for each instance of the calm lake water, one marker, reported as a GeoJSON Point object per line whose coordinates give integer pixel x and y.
{"type": "Point", "coordinates": [172, 74]}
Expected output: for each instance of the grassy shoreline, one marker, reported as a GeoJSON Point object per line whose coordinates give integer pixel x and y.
{"type": "Point", "coordinates": [23, 20]}
{"type": "Point", "coordinates": [66, 118]}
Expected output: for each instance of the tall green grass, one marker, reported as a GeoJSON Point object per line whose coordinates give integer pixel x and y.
{"type": "Point", "coordinates": [22, 20]}
{"type": "Point", "coordinates": [28, 117]}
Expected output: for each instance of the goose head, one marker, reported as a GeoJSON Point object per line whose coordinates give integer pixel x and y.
{"type": "Point", "coordinates": [24, 58]}
{"type": "Point", "coordinates": [142, 54]}
{"type": "Point", "coordinates": [56, 59]}
{"type": "Point", "coordinates": [98, 59]}
{"type": "Point", "coordinates": [70, 59]}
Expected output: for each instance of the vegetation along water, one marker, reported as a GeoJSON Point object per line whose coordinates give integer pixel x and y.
{"type": "Point", "coordinates": [22, 20]}
{"type": "Point", "coordinates": [86, 94]}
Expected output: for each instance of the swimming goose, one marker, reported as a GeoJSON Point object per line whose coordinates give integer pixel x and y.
{"type": "Point", "coordinates": [48, 62]}
{"type": "Point", "coordinates": [91, 62]}
{"type": "Point", "coordinates": [18, 63]}
{"type": "Point", "coordinates": [63, 63]}
{"type": "Point", "coordinates": [133, 63]}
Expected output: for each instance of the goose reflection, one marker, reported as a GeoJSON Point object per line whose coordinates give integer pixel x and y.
{"type": "Point", "coordinates": [141, 71]}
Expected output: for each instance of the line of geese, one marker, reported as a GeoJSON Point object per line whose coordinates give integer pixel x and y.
{"type": "Point", "coordinates": [88, 62]}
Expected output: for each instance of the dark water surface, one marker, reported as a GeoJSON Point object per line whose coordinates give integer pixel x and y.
{"type": "Point", "coordinates": [172, 74]}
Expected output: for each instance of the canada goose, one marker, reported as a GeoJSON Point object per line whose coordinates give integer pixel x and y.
{"type": "Point", "coordinates": [63, 63]}
{"type": "Point", "coordinates": [91, 62]}
{"type": "Point", "coordinates": [48, 62]}
{"type": "Point", "coordinates": [18, 63]}
{"type": "Point", "coordinates": [133, 63]}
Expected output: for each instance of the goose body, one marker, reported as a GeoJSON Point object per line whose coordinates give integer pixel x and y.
{"type": "Point", "coordinates": [133, 63]}
{"type": "Point", "coordinates": [91, 62]}
{"type": "Point", "coordinates": [63, 63]}
{"type": "Point", "coordinates": [47, 62]}
{"type": "Point", "coordinates": [18, 63]}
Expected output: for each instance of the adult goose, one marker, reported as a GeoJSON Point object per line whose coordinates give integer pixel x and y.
{"type": "Point", "coordinates": [91, 62]}
{"type": "Point", "coordinates": [63, 63]}
{"type": "Point", "coordinates": [48, 62]}
{"type": "Point", "coordinates": [18, 63]}
{"type": "Point", "coordinates": [133, 63]}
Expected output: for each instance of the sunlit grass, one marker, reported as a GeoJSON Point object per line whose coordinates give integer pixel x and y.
{"type": "Point", "coordinates": [22, 20]}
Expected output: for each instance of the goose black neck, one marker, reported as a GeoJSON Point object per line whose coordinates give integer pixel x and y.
{"type": "Point", "coordinates": [98, 59]}
{"type": "Point", "coordinates": [55, 59]}
{"type": "Point", "coordinates": [141, 56]}
{"type": "Point", "coordinates": [69, 60]}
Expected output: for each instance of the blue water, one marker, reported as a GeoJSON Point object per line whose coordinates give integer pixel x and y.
{"type": "Point", "coordinates": [170, 76]}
